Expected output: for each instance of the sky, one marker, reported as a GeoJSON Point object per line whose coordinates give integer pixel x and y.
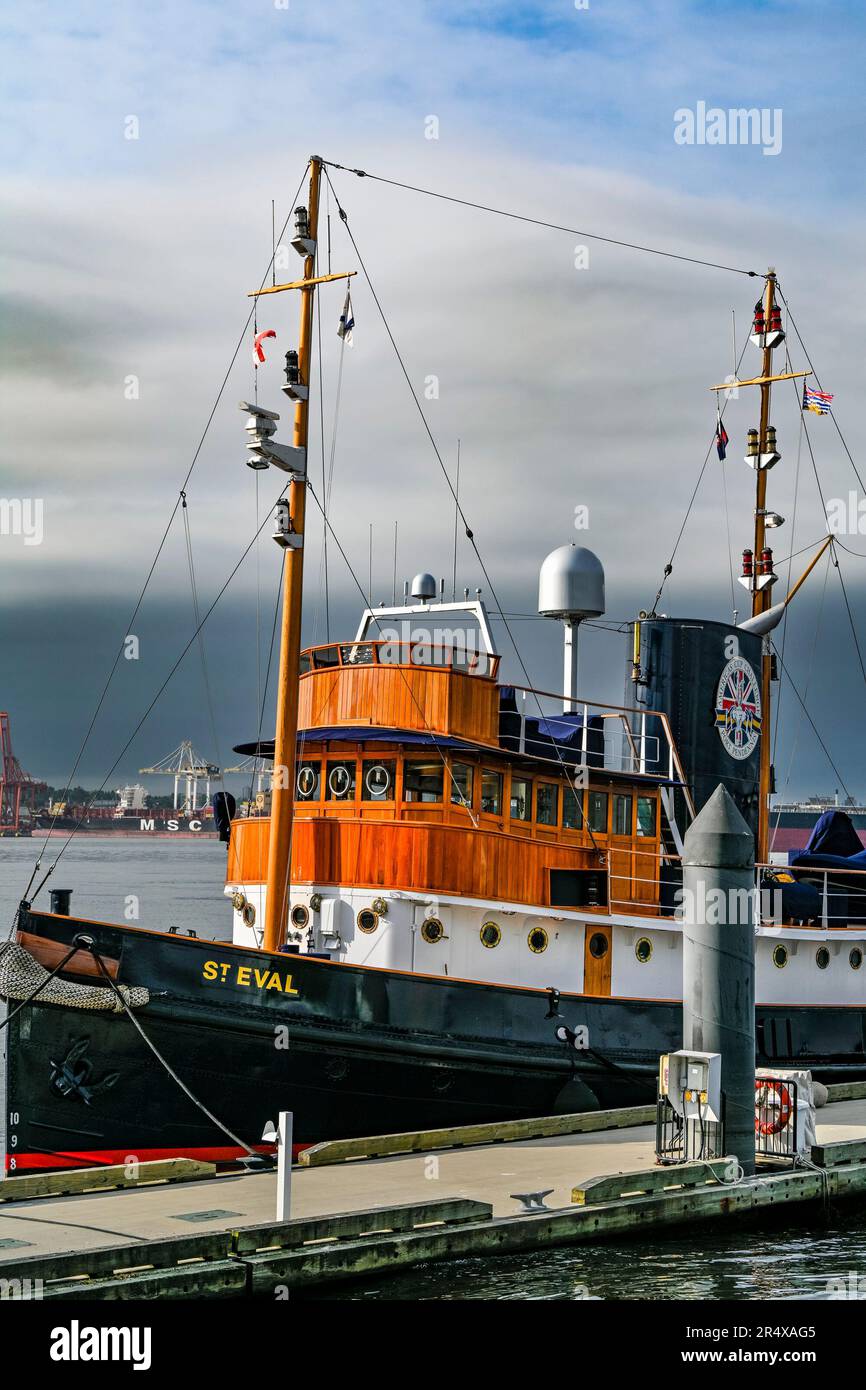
{"type": "Point", "coordinates": [141, 149]}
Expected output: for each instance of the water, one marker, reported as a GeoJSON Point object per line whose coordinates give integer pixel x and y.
{"type": "Point", "coordinates": [180, 883]}
{"type": "Point", "coordinates": [164, 882]}
{"type": "Point", "coordinates": [820, 1260]}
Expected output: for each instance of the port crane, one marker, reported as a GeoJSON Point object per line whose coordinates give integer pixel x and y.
{"type": "Point", "coordinates": [18, 790]}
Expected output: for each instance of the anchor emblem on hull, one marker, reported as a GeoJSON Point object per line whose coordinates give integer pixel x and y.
{"type": "Point", "coordinates": [71, 1078]}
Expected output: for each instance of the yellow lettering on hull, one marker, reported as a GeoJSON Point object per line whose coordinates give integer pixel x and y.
{"type": "Point", "coordinates": [248, 976]}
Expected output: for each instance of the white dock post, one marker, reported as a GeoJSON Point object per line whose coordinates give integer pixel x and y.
{"type": "Point", "coordinates": [284, 1166]}
{"type": "Point", "coordinates": [282, 1137]}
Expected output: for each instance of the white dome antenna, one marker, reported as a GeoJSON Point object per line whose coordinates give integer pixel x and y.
{"type": "Point", "coordinates": [571, 588]}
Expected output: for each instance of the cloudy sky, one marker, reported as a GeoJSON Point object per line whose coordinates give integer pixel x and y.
{"type": "Point", "coordinates": [130, 259]}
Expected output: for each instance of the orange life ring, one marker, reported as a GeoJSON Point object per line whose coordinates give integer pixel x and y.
{"type": "Point", "coordinates": [785, 1110]}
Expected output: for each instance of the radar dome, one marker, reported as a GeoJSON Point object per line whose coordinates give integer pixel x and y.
{"type": "Point", "coordinates": [423, 587]}
{"type": "Point", "coordinates": [571, 584]}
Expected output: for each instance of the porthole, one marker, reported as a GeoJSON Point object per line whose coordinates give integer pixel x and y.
{"type": "Point", "coordinates": [367, 919]}
{"type": "Point", "coordinates": [598, 945]}
{"type": "Point", "coordinates": [239, 901]}
{"type": "Point", "coordinates": [315, 902]}
{"type": "Point", "coordinates": [490, 934]}
{"type": "Point", "coordinates": [432, 930]}
{"type": "Point", "coordinates": [379, 906]}
{"type": "Point", "coordinates": [300, 915]}
{"type": "Point", "coordinates": [822, 957]}
{"type": "Point", "coordinates": [855, 959]}
{"type": "Point", "coordinates": [537, 940]}
{"type": "Point", "coordinates": [249, 915]}
{"type": "Point", "coordinates": [643, 949]}
{"type": "Point", "coordinates": [780, 957]}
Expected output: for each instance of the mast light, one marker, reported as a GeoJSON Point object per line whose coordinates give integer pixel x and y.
{"type": "Point", "coordinates": [294, 387]}
{"type": "Point", "coordinates": [303, 243]}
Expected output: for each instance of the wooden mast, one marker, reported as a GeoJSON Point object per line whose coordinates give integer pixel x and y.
{"type": "Point", "coordinates": [283, 782]}
{"type": "Point", "coordinates": [761, 598]}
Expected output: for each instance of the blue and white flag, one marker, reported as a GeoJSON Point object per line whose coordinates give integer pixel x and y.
{"type": "Point", "coordinates": [347, 322]}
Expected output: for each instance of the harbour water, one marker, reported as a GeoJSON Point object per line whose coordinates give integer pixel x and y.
{"type": "Point", "coordinates": [180, 883]}
{"type": "Point", "coordinates": [145, 882]}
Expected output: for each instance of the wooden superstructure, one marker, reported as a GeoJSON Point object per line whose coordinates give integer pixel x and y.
{"type": "Point", "coordinates": [405, 781]}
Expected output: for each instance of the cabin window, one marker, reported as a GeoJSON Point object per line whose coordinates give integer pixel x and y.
{"type": "Point", "coordinates": [546, 803]}
{"type": "Point", "coordinates": [622, 815]}
{"type": "Point", "coordinates": [325, 657]}
{"type": "Point", "coordinates": [357, 654]}
{"type": "Point", "coordinates": [572, 810]}
{"type": "Point", "coordinates": [423, 782]}
{"type": "Point", "coordinates": [308, 781]}
{"type": "Point", "coordinates": [521, 798]}
{"type": "Point", "coordinates": [537, 940]}
{"type": "Point", "coordinates": [491, 792]}
{"type": "Point", "coordinates": [822, 957]}
{"type": "Point", "coordinates": [598, 812]}
{"type": "Point", "coordinates": [855, 959]}
{"type": "Point", "coordinates": [646, 816]}
{"type": "Point", "coordinates": [341, 781]}
{"type": "Point", "coordinates": [461, 784]}
{"type": "Point", "coordinates": [379, 779]}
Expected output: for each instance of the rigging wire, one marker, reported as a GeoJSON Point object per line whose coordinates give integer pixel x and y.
{"type": "Point", "coordinates": [153, 702]}
{"type": "Point", "coordinates": [161, 545]}
{"type": "Point", "coordinates": [368, 604]}
{"type": "Point", "coordinates": [669, 567]}
{"type": "Point", "coordinates": [796, 738]}
{"type": "Point", "coordinates": [824, 747]}
{"type": "Point", "coordinates": [836, 424]}
{"type": "Point", "coordinates": [470, 535]}
{"type": "Point", "coordinates": [537, 221]}
{"type": "Point", "coordinates": [197, 619]}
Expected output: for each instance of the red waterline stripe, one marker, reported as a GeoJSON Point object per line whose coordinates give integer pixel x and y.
{"type": "Point", "coordinates": [92, 1158]}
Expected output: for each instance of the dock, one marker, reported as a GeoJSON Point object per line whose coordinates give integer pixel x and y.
{"type": "Point", "coordinates": [445, 1194]}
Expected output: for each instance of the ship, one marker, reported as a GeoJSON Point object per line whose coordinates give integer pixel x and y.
{"type": "Point", "coordinates": [460, 899]}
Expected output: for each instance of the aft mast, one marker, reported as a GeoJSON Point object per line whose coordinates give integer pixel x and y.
{"type": "Point", "coordinates": [763, 558]}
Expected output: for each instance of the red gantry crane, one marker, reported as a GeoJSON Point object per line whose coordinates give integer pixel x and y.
{"type": "Point", "coordinates": [18, 791]}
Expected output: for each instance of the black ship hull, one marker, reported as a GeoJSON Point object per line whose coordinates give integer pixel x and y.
{"type": "Point", "coordinates": [349, 1050]}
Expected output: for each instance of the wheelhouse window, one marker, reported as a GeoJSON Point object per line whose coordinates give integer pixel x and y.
{"type": "Point", "coordinates": [461, 784]}
{"type": "Point", "coordinates": [597, 812]}
{"type": "Point", "coordinates": [378, 779]}
{"type": "Point", "coordinates": [340, 785]}
{"type": "Point", "coordinates": [546, 803]}
{"type": "Point", "coordinates": [646, 816]}
{"type": "Point", "coordinates": [521, 798]}
{"type": "Point", "coordinates": [622, 815]}
{"type": "Point", "coordinates": [572, 809]}
{"type": "Point", "coordinates": [491, 792]}
{"type": "Point", "coordinates": [308, 781]}
{"type": "Point", "coordinates": [423, 782]}
{"type": "Point", "coordinates": [324, 658]}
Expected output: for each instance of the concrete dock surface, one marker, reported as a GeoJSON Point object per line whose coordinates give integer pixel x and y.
{"type": "Point", "coordinates": [490, 1173]}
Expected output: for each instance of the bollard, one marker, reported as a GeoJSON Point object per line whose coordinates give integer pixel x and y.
{"type": "Point", "coordinates": [59, 900]}
{"type": "Point", "coordinates": [719, 959]}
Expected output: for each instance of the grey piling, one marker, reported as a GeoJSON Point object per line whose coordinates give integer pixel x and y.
{"type": "Point", "coordinates": [719, 959]}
